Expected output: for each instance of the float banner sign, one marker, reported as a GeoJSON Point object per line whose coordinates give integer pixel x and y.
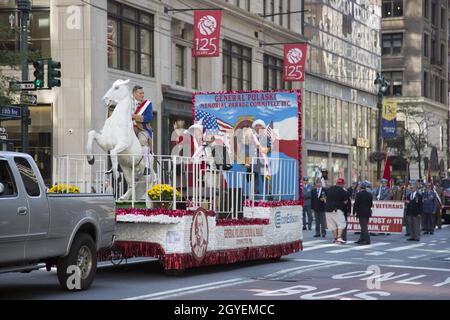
{"type": "Point", "coordinates": [229, 116]}
{"type": "Point", "coordinates": [207, 33]}
{"type": "Point", "coordinates": [389, 119]}
{"type": "Point", "coordinates": [294, 62]}
{"type": "Point", "coordinates": [387, 217]}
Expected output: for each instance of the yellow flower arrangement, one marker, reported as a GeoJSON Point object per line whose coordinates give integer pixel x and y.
{"type": "Point", "coordinates": [64, 188]}
{"type": "Point", "coordinates": [162, 192]}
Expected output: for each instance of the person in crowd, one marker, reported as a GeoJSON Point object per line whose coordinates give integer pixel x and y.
{"type": "Point", "coordinates": [353, 189]}
{"type": "Point", "coordinates": [438, 213]}
{"type": "Point", "coordinates": [142, 118]}
{"type": "Point", "coordinates": [318, 199]}
{"type": "Point", "coordinates": [407, 194]}
{"type": "Point", "coordinates": [335, 205]}
{"type": "Point", "coordinates": [382, 192]}
{"type": "Point", "coordinates": [306, 195]}
{"type": "Point", "coordinates": [398, 191]}
{"type": "Point", "coordinates": [362, 208]}
{"type": "Point", "coordinates": [429, 208]}
{"type": "Point", "coordinates": [347, 211]}
{"type": "Point", "coordinates": [414, 210]}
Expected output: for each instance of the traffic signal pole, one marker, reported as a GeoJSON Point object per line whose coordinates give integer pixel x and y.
{"type": "Point", "coordinates": [24, 6]}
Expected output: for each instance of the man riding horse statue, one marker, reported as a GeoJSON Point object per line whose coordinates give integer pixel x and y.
{"type": "Point", "coordinates": [118, 137]}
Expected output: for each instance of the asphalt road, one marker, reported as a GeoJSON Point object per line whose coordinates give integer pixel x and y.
{"type": "Point", "coordinates": [389, 268]}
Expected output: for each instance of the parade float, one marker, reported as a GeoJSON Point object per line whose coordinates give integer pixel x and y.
{"type": "Point", "coordinates": [222, 196]}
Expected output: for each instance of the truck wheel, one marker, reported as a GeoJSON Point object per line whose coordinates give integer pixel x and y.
{"type": "Point", "coordinates": [77, 270]}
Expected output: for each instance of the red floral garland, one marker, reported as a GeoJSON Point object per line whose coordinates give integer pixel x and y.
{"type": "Point", "coordinates": [156, 212]}
{"type": "Point", "coordinates": [241, 222]}
{"type": "Point", "coordinates": [273, 204]}
{"type": "Point", "coordinates": [180, 261]}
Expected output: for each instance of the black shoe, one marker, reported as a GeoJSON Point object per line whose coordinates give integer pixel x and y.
{"type": "Point", "coordinates": [431, 232]}
{"type": "Point", "coordinates": [309, 228]}
{"type": "Point", "coordinates": [426, 232]}
{"type": "Point", "coordinates": [411, 239]}
{"type": "Point", "coordinates": [406, 234]}
{"type": "Point", "coordinates": [323, 235]}
{"type": "Point", "coordinates": [364, 243]}
{"type": "Point", "coordinates": [358, 242]}
{"type": "Point", "coordinates": [316, 235]}
{"type": "Point", "coordinates": [304, 228]}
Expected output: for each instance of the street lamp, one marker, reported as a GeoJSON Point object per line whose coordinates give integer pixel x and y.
{"type": "Point", "coordinates": [383, 86]}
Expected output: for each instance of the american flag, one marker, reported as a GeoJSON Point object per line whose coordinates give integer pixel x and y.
{"type": "Point", "coordinates": [271, 133]}
{"type": "Point", "coordinates": [211, 123]}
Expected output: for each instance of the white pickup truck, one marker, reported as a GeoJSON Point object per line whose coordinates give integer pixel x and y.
{"type": "Point", "coordinates": [38, 227]}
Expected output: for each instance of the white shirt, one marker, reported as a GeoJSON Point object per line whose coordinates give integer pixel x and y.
{"type": "Point", "coordinates": [413, 195]}
{"type": "Point", "coordinates": [319, 191]}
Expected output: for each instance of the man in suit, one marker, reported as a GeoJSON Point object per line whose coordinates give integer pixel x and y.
{"type": "Point", "coordinates": [362, 208]}
{"type": "Point", "coordinates": [318, 199]}
{"type": "Point", "coordinates": [142, 119]}
{"type": "Point", "coordinates": [382, 192]}
{"type": "Point", "coordinates": [414, 205]}
{"type": "Point", "coordinates": [334, 207]}
{"type": "Point", "coordinates": [306, 195]}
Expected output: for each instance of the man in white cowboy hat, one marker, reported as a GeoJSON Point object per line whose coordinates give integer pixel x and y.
{"type": "Point", "coordinates": [260, 149]}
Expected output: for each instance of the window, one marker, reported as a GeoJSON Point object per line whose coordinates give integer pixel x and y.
{"type": "Point", "coordinates": [194, 73]}
{"type": "Point", "coordinates": [433, 12]}
{"type": "Point", "coordinates": [333, 116]}
{"type": "Point", "coordinates": [289, 15]}
{"type": "Point", "coordinates": [442, 54]}
{"type": "Point", "coordinates": [307, 112]}
{"type": "Point", "coordinates": [425, 45]}
{"type": "Point", "coordinates": [392, 8]}
{"type": "Point", "coordinates": [426, 8]}
{"type": "Point", "coordinates": [433, 51]}
{"type": "Point", "coordinates": [6, 178]}
{"type": "Point", "coordinates": [392, 43]}
{"type": "Point", "coordinates": [272, 9]}
{"type": "Point", "coordinates": [39, 28]}
{"type": "Point", "coordinates": [273, 74]}
{"type": "Point", "coordinates": [28, 177]}
{"type": "Point", "coordinates": [179, 65]}
{"type": "Point", "coordinates": [316, 104]}
{"type": "Point", "coordinates": [443, 18]}
{"type": "Point", "coordinates": [280, 10]}
{"type": "Point", "coordinates": [130, 39]}
{"type": "Point", "coordinates": [443, 91]}
{"type": "Point", "coordinates": [396, 80]}
{"type": "Point", "coordinates": [345, 124]}
{"type": "Point", "coordinates": [425, 84]}
{"type": "Point", "coordinates": [236, 66]}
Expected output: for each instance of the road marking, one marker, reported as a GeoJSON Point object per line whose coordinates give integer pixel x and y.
{"type": "Point", "coordinates": [308, 243]}
{"type": "Point", "coordinates": [174, 295]}
{"type": "Point", "coordinates": [432, 244]}
{"type": "Point", "coordinates": [417, 257]}
{"type": "Point", "coordinates": [147, 296]}
{"type": "Point", "coordinates": [356, 248]}
{"type": "Point", "coordinates": [376, 253]}
{"type": "Point", "coordinates": [416, 268]}
{"type": "Point", "coordinates": [406, 247]}
{"type": "Point", "coordinates": [320, 246]}
{"type": "Point", "coordinates": [284, 271]}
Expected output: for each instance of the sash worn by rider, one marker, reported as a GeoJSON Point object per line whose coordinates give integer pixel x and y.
{"type": "Point", "coordinates": [145, 109]}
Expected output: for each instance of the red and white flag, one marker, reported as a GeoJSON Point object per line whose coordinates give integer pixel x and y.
{"type": "Point", "coordinates": [294, 62]}
{"type": "Point", "coordinates": [207, 33]}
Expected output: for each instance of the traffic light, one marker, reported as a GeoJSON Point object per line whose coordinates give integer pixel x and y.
{"type": "Point", "coordinates": [38, 73]}
{"type": "Point", "coordinates": [53, 73]}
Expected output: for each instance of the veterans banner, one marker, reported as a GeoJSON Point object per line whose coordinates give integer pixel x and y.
{"type": "Point", "coordinates": [389, 119]}
{"type": "Point", "coordinates": [387, 217]}
{"type": "Point", "coordinates": [207, 33]}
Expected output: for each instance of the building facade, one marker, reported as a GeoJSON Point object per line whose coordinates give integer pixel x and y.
{"type": "Point", "coordinates": [340, 112]}
{"type": "Point", "coordinates": [99, 42]}
{"type": "Point", "coordinates": [415, 61]}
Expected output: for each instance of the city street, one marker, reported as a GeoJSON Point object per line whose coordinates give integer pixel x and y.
{"type": "Point", "coordinates": [407, 270]}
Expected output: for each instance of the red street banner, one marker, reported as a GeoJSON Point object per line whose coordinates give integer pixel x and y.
{"type": "Point", "coordinates": [294, 62]}
{"type": "Point", "coordinates": [207, 33]}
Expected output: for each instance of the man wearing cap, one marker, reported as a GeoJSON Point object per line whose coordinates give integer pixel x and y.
{"type": "Point", "coordinates": [382, 192]}
{"type": "Point", "coordinates": [318, 199]}
{"type": "Point", "coordinates": [261, 147]}
{"type": "Point", "coordinates": [334, 208]}
{"type": "Point", "coordinates": [306, 196]}
{"type": "Point", "coordinates": [429, 207]}
{"type": "Point", "coordinates": [362, 208]}
{"type": "Point", "coordinates": [414, 208]}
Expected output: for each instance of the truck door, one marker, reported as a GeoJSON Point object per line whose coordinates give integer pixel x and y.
{"type": "Point", "coordinates": [36, 246]}
{"type": "Point", "coordinates": [14, 218]}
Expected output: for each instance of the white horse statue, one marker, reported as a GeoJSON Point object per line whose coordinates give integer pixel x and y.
{"type": "Point", "coordinates": [118, 137]}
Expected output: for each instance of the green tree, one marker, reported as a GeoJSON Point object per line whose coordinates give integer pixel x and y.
{"type": "Point", "coordinates": [417, 126]}
{"type": "Point", "coordinates": [10, 60]}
